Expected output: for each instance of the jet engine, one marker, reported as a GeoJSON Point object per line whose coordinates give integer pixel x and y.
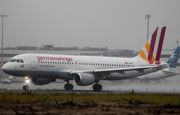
{"type": "Point", "coordinates": [83, 79]}
{"type": "Point", "coordinates": [42, 81]}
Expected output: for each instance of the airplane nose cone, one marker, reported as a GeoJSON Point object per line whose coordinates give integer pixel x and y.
{"type": "Point", "coordinates": [8, 69]}
{"type": "Point", "coordinates": [5, 68]}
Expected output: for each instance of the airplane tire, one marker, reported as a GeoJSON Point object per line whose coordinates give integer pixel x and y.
{"type": "Point", "coordinates": [94, 87]}
{"type": "Point", "coordinates": [27, 87]}
{"type": "Point", "coordinates": [24, 87]}
{"type": "Point", "coordinates": [71, 86]}
{"type": "Point", "coordinates": [97, 87]}
{"type": "Point", "coordinates": [68, 86]}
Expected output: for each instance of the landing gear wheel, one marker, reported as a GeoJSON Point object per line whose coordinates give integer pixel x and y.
{"type": "Point", "coordinates": [68, 86]}
{"type": "Point", "coordinates": [97, 87]}
{"type": "Point", "coordinates": [25, 87]}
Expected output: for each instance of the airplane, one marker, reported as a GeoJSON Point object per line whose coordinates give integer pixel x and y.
{"type": "Point", "coordinates": [87, 70]}
{"type": "Point", "coordinates": [166, 72]}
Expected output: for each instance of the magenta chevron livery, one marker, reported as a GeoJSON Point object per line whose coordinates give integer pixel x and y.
{"type": "Point", "coordinates": [152, 50]}
{"type": "Point", "coordinates": [87, 70]}
{"type": "Point", "coordinates": [166, 72]}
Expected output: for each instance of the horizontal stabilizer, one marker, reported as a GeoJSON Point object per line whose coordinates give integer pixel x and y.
{"type": "Point", "coordinates": [174, 64]}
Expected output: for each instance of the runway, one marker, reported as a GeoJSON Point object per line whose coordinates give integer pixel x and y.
{"type": "Point", "coordinates": [167, 86]}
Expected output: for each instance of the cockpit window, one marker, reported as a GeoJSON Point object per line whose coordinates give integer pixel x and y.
{"type": "Point", "coordinates": [18, 61]}
{"type": "Point", "coordinates": [12, 60]}
{"type": "Point", "coordinates": [21, 61]}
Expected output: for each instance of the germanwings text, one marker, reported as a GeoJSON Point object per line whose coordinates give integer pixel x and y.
{"type": "Point", "coordinates": [54, 58]}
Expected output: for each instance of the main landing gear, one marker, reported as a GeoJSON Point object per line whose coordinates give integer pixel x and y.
{"type": "Point", "coordinates": [97, 87]}
{"type": "Point", "coordinates": [68, 86]}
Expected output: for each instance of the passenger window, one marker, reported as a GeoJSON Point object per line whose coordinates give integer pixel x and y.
{"type": "Point", "coordinates": [18, 61]}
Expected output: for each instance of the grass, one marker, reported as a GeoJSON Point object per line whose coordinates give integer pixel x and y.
{"type": "Point", "coordinates": [131, 97]}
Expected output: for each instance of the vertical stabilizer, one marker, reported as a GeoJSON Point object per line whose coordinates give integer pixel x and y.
{"type": "Point", "coordinates": [174, 58]}
{"type": "Point", "coordinates": [151, 52]}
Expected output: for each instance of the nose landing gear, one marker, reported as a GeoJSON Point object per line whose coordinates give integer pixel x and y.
{"type": "Point", "coordinates": [26, 87]}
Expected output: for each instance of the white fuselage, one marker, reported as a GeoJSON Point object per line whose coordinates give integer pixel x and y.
{"type": "Point", "coordinates": [61, 66]}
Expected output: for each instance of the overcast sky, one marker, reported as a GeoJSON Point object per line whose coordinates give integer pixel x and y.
{"type": "Point", "coordinates": [117, 24]}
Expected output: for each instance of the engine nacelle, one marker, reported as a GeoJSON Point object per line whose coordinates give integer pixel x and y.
{"type": "Point", "coordinates": [83, 79]}
{"type": "Point", "coordinates": [42, 81]}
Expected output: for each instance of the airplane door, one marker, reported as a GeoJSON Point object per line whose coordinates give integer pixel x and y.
{"type": "Point", "coordinates": [33, 62]}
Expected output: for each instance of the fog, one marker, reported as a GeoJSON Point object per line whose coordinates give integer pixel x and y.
{"type": "Point", "coordinates": [117, 24]}
{"type": "Point", "coordinates": [168, 85]}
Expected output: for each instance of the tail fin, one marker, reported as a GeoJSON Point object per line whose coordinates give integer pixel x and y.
{"type": "Point", "coordinates": [151, 52]}
{"type": "Point", "coordinates": [174, 58]}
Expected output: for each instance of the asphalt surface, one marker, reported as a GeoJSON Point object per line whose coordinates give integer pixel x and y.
{"type": "Point", "coordinates": [164, 87]}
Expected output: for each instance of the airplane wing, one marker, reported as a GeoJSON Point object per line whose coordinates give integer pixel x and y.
{"type": "Point", "coordinates": [118, 69]}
